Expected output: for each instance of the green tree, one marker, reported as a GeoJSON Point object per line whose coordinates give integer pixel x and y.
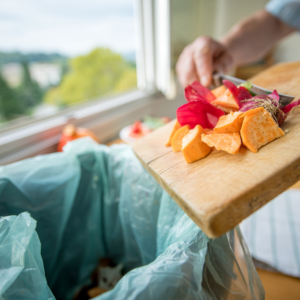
{"type": "Point", "coordinates": [126, 81]}
{"type": "Point", "coordinates": [53, 97]}
{"type": "Point", "coordinates": [29, 92]}
{"type": "Point", "coordinates": [100, 72]}
{"type": "Point", "coordinates": [9, 104]}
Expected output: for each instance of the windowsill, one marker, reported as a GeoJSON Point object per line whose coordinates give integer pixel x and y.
{"type": "Point", "coordinates": [105, 118]}
{"type": "Point", "coordinates": [97, 104]}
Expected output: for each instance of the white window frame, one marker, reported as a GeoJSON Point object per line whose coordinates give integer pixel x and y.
{"type": "Point", "coordinates": [105, 116]}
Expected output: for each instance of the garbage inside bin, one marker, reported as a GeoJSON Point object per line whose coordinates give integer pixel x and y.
{"type": "Point", "coordinates": [104, 278]}
{"type": "Point", "coordinates": [94, 202]}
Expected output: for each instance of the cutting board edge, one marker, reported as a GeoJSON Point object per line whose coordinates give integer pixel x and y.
{"type": "Point", "coordinates": [219, 220]}
{"type": "Point", "coordinates": [182, 204]}
{"type": "Point", "coordinates": [243, 206]}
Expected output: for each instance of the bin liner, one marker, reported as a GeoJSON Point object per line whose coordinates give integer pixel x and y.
{"type": "Point", "coordinates": [22, 273]}
{"type": "Point", "coordinates": [93, 201]}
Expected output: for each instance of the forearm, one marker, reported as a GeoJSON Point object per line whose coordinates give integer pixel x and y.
{"type": "Point", "coordinates": [253, 37]}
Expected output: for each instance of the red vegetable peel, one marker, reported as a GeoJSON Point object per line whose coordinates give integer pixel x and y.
{"type": "Point", "coordinates": [191, 95]}
{"type": "Point", "coordinates": [239, 93]}
{"type": "Point", "coordinates": [232, 88]}
{"type": "Point", "coordinates": [275, 95]}
{"type": "Point", "coordinates": [290, 106]}
{"type": "Point", "coordinates": [198, 113]}
{"type": "Point", "coordinates": [243, 94]}
{"type": "Point", "coordinates": [203, 91]}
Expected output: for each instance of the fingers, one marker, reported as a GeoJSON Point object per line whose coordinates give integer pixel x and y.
{"type": "Point", "coordinates": [185, 68]}
{"type": "Point", "coordinates": [200, 59]}
{"type": "Point", "coordinates": [203, 59]}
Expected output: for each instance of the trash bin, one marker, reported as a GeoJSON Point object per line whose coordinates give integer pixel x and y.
{"type": "Point", "coordinates": [93, 201]}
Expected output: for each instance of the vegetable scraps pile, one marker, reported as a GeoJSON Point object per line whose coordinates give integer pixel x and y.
{"type": "Point", "coordinates": [225, 118]}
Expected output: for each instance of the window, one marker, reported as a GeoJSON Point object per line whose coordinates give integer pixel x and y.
{"type": "Point", "coordinates": [58, 54]}
{"type": "Point", "coordinates": [62, 37]}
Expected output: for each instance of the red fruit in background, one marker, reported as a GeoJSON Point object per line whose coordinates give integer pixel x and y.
{"type": "Point", "coordinates": [166, 120]}
{"type": "Point", "coordinates": [70, 133]}
{"type": "Point", "coordinates": [137, 127]}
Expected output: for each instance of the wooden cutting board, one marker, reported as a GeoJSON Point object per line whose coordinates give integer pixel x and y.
{"type": "Point", "coordinates": [221, 190]}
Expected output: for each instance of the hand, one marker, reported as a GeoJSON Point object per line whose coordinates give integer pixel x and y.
{"type": "Point", "coordinates": [200, 59]}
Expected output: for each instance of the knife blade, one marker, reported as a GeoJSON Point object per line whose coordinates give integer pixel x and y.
{"type": "Point", "coordinates": [219, 77]}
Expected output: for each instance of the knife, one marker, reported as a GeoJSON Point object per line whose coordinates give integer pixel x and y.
{"type": "Point", "coordinates": [219, 77]}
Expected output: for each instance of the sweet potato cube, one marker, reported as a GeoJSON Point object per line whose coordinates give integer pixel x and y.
{"type": "Point", "coordinates": [178, 136]}
{"type": "Point", "coordinates": [259, 129]}
{"type": "Point", "coordinates": [208, 131]}
{"type": "Point", "coordinates": [219, 91]}
{"type": "Point", "coordinates": [175, 128]}
{"type": "Point", "coordinates": [230, 123]}
{"type": "Point", "coordinates": [192, 146]}
{"type": "Point", "coordinates": [226, 103]}
{"type": "Point", "coordinates": [229, 142]}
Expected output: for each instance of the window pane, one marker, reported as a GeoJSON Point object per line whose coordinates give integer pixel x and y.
{"type": "Point", "coordinates": [56, 54]}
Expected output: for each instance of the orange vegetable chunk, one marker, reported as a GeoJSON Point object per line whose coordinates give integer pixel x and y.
{"type": "Point", "coordinates": [229, 142]}
{"type": "Point", "coordinates": [192, 146]}
{"type": "Point", "coordinates": [230, 123]}
{"type": "Point", "coordinates": [219, 91]}
{"type": "Point", "coordinates": [226, 103]}
{"type": "Point", "coordinates": [175, 128]}
{"type": "Point", "coordinates": [259, 129]}
{"type": "Point", "coordinates": [208, 131]}
{"type": "Point", "coordinates": [178, 136]}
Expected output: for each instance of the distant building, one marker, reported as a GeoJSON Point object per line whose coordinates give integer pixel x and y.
{"type": "Point", "coordinates": [12, 73]}
{"type": "Point", "coordinates": [45, 74]}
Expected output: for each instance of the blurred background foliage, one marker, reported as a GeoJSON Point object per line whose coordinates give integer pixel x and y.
{"type": "Point", "coordinates": [9, 104]}
{"type": "Point", "coordinates": [21, 99]}
{"type": "Point", "coordinates": [100, 72]}
{"type": "Point", "coordinates": [81, 79]}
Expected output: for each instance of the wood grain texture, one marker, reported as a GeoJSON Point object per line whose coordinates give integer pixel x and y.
{"type": "Point", "coordinates": [221, 190]}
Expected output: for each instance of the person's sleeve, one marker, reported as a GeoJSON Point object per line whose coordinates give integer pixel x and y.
{"type": "Point", "coordinates": [288, 11]}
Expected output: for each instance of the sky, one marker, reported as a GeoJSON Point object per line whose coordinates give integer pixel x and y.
{"type": "Point", "coordinates": [70, 27]}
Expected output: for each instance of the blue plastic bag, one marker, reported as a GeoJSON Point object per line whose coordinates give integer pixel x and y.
{"type": "Point", "coordinates": [93, 201]}
{"type": "Point", "coordinates": [21, 267]}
